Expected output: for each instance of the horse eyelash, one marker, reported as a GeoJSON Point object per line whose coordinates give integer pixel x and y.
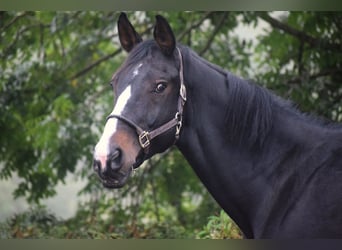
{"type": "Point", "coordinates": [160, 81]}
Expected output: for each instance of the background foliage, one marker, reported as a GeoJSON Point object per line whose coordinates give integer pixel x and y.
{"type": "Point", "coordinates": [54, 96]}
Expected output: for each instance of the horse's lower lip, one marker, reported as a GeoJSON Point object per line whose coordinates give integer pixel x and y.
{"type": "Point", "coordinates": [117, 182]}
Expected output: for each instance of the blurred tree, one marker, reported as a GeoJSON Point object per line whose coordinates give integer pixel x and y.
{"type": "Point", "coordinates": [54, 96]}
{"type": "Point", "coordinates": [46, 101]}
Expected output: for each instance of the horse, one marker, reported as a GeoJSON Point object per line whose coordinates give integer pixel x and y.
{"type": "Point", "coordinates": [276, 171]}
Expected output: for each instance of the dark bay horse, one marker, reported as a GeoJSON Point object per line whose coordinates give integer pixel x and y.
{"type": "Point", "coordinates": [274, 170]}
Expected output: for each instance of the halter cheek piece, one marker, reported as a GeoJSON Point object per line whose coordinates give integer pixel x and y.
{"type": "Point", "coordinates": [145, 137]}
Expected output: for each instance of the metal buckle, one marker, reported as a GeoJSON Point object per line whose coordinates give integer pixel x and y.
{"type": "Point", "coordinates": [178, 128]}
{"type": "Point", "coordinates": [179, 123]}
{"type": "Point", "coordinates": [144, 139]}
{"type": "Point", "coordinates": [182, 92]}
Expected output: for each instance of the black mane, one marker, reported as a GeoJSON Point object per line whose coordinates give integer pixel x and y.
{"type": "Point", "coordinates": [250, 108]}
{"type": "Point", "coordinates": [140, 52]}
{"type": "Point", "coordinates": [248, 112]}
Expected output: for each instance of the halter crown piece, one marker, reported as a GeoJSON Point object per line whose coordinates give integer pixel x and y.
{"type": "Point", "coordinates": [144, 136]}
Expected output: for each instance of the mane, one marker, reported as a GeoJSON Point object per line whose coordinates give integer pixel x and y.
{"type": "Point", "coordinates": [249, 114]}
{"type": "Point", "coordinates": [249, 108]}
{"type": "Point", "coordinates": [140, 52]}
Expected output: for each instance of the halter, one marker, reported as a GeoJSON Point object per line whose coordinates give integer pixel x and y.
{"type": "Point", "coordinates": [144, 136]}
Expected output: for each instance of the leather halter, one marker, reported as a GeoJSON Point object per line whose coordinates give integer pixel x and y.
{"type": "Point", "coordinates": [144, 136]}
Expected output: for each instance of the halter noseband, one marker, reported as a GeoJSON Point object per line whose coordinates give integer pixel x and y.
{"type": "Point", "coordinates": [144, 136]}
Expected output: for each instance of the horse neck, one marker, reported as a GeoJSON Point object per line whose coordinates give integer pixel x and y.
{"type": "Point", "coordinates": [239, 176]}
{"type": "Point", "coordinates": [206, 147]}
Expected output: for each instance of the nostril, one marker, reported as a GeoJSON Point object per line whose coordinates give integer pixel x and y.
{"type": "Point", "coordinates": [115, 155]}
{"type": "Point", "coordinates": [115, 159]}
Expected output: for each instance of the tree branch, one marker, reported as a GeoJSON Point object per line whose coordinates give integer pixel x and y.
{"type": "Point", "coordinates": [312, 41]}
{"type": "Point", "coordinates": [18, 35]}
{"type": "Point", "coordinates": [102, 59]}
{"type": "Point", "coordinates": [94, 64]}
{"type": "Point", "coordinates": [10, 23]}
{"type": "Point", "coordinates": [193, 26]}
{"type": "Point", "coordinates": [216, 30]}
{"type": "Point", "coordinates": [317, 75]}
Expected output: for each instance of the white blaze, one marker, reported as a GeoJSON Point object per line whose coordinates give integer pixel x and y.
{"type": "Point", "coordinates": [103, 146]}
{"type": "Point", "coordinates": [136, 70]}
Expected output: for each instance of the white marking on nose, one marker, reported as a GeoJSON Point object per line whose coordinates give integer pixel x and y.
{"type": "Point", "coordinates": [136, 70]}
{"type": "Point", "coordinates": [102, 148]}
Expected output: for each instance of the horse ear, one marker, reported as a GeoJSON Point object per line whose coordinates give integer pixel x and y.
{"type": "Point", "coordinates": [127, 34]}
{"type": "Point", "coordinates": [163, 35]}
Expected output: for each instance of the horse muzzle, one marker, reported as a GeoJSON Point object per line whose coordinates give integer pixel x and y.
{"type": "Point", "coordinates": [110, 177]}
{"type": "Point", "coordinates": [115, 169]}
{"type": "Point", "coordinates": [111, 169]}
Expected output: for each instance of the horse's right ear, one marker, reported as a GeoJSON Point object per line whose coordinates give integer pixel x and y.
{"type": "Point", "coordinates": [127, 34]}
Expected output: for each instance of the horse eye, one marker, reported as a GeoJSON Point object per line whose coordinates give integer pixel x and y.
{"type": "Point", "coordinates": [160, 87]}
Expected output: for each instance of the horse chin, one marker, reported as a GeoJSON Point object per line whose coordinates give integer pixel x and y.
{"type": "Point", "coordinates": [118, 181]}
{"type": "Point", "coordinates": [120, 178]}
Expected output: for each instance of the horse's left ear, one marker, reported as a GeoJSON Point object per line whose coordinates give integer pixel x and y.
{"type": "Point", "coordinates": [164, 36]}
